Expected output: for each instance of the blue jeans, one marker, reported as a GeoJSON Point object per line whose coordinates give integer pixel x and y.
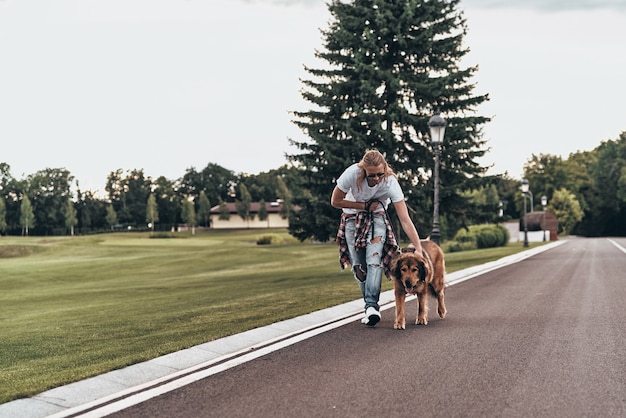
{"type": "Point", "coordinates": [367, 262]}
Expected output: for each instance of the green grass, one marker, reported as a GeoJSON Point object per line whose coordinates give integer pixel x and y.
{"type": "Point", "coordinates": [76, 307]}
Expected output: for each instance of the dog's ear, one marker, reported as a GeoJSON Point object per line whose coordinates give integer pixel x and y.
{"type": "Point", "coordinates": [395, 265]}
{"type": "Point", "coordinates": [421, 271]}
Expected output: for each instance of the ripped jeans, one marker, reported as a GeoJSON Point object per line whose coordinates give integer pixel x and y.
{"type": "Point", "coordinates": [367, 262]}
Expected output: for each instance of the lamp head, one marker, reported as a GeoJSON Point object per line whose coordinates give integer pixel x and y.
{"type": "Point", "coordinates": [525, 186]}
{"type": "Point", "coordinates": [437, 126]}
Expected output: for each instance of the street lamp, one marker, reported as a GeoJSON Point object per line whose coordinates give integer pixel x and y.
{"type": "Point", "coordinates": [525, 189]}
{"type": "Point", "coordinates": [544, 203]}
{"type": "Point", "coordinates": [437, 126]}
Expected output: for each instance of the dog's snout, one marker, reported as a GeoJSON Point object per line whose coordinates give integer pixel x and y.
{"type": "Point", "coordinates": [407, 284]}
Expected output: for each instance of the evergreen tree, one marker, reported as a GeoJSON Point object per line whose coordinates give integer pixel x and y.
{"type": "Point", "coordinates": [263, 215]}
{"type": "Point", "coordinates": [70, 216]}
{"type": "Point", "coordinates": [243, 204]}
{"type": "Point", "coordinates": [3, 215]}
{"type": "Point", "coordinates": [224, 213]}
{"type": "Point", "coordinates": [111, 216]}
{"type": "Point", "coordinates": [391, 64]}
{"type": "Point", "coordinates": [204, 208]}
{"type": "Point", "coordinates": [27, 216]}
{"type": "Point", "coordinates": [285, 195]}
{"type": "Point", "coordinates": [188, 214]}
{"type": "Point", "coordinates": [152, 211]}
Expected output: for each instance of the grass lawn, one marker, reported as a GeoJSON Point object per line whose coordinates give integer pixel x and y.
{"type": "Point", "coordinates": [75, 307]}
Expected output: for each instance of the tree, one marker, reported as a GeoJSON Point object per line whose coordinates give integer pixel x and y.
{"type": "Point", "coordinates": [547, 173]}
{"type": "Point", "coordinates": [390, 66]}
{"type": "Point", "coordinates": [152, 211]}
{"type": "Point", "coordinates": [129, 195]}
{"type": "Point", "coordinates": [27, 217]}
{"type": "Point", "coordinates": [262, 211]}
{"type": "Point", "coordinates": [111, 216]}
{"type": "Point", "coordinates": [224, 213]}
{"type": "Point", "coordinates": [285, 195]}
{"type": "Point", "coordinates": [204, 208]}
{"type": "Point", "coordinates": [88, 209]}
{"type": "Point", "coordinates": [189, 214]}
{"type": "Point", "coordinates": [566, 209]}
{"type": "Point", "coordinates": [48, 191]}
{"type": "Point", "coordinates": [608, 212]}
{"type": "Point", "coordinates": [70, 216]}
{"type": "Point", "coordinates": [243, 204]}
{"type": "Point", "coordinates": [483, 205]}
{"type": "Point", "coordinates": [3, 215]}
{"type": "Point", "coordinates": [168, 200]}
{"type": "Point", "coordinates": [11, 191]}
{"type": "Point", "coordinates": [216, 181]}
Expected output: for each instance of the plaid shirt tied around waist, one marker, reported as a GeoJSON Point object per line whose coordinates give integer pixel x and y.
{"type": "Point", "coordinates": [363, 222]}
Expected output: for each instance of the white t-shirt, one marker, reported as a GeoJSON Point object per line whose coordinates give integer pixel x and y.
{"type": "Point", "coordinates": [387, 190]}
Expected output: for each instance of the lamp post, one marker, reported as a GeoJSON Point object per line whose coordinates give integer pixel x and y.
{"type": "Point", "coordinates": [437, 126]}
{"type": "Point", "coordinates": [544, 203]}
{"type": "Point", "coordinates": [525, 189]}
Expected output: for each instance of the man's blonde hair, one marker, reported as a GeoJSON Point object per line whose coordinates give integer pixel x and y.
{"type": "Point", "coordinates": [373, 158]}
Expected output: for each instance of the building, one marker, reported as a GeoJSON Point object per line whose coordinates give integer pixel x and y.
{"type": "Point", "coordinates": [274, 217]}
{"type": "Point", "coordinates": [542, 226]}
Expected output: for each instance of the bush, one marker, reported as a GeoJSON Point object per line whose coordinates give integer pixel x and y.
{"type": "Point", "coordinates": [456, 246]}
{"type": "Point", "coordinates": [482, 236]}
{"type": "Point", "coordinates": [163, 235]}
{"type": "Point", "coordinates": [269, 239]}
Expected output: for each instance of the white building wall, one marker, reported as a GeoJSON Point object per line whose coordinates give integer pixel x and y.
{"type": "Point", "coordinates": [534, 236]}
{"type": "Point", "coordinates": [273, 220]}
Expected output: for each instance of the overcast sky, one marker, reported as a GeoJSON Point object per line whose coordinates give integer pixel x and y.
{"type": "Point", "coordinates": [164, 85]}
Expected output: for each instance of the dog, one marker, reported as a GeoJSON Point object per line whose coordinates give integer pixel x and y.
{"type": "Point", "coordinates": [415, 274]}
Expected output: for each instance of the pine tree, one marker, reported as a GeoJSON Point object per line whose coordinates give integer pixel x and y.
{"type": "Point", "coordinates": [27, 216]}
{"type": "Point", "coordinates": [70, 216]}
{"type": "Point", "coordinates": [204, 208]}
{"type": "Point", "coordinates": [391, 64]}
{"type": "Point", "coordinates": [188, 214]}
{"type": "Point", "coordinates": [111, 216]}
{"type": "Point", "coordinates": [243, 205]}
{"type": "Point", "coordinates": [152, 211]}
{"type": "Point", "coordinates": [3, 215]}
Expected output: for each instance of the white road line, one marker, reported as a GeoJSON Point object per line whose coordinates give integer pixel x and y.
{"type": "Point", "coordinates": [619, 247]}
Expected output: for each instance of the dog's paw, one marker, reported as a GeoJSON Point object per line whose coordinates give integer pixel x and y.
{"type": "Point", "coordinates": [398, 325]}
{"type": "Point", "coordinates": [421, 321]}
{"type": "Point", "coordinates": [442, 313]}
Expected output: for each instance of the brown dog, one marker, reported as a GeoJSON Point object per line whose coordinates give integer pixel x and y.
{"type": "Point", "coordinates": [414, 274]}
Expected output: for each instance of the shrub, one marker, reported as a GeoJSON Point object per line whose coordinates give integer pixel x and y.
{"type": "Point", "coordinates": [456, 246]}
{"type": "Point", "coordinates": [482, 236]}
{"type": "Point", "coordinates": [269, 239]}
{"type": "Point", "coordinates": [163, 235]}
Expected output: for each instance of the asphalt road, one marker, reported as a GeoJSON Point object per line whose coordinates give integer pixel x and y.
{"type": "Point", "coordinates": [544, 337]}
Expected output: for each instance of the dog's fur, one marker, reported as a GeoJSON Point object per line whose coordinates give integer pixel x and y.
{"type": "Point", "coordinates": [414, 274]}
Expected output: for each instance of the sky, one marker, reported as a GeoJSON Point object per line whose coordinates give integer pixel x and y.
{"type": "Point", "coordinates": [166, 85]}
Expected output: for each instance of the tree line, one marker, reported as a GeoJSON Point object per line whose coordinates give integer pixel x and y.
{"type": "Point", "coordinates": [51, 202]}
{"type": "Point", "coordinates": [388, 66]}
{"type": "Point", "coordinates": [587, 192]}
